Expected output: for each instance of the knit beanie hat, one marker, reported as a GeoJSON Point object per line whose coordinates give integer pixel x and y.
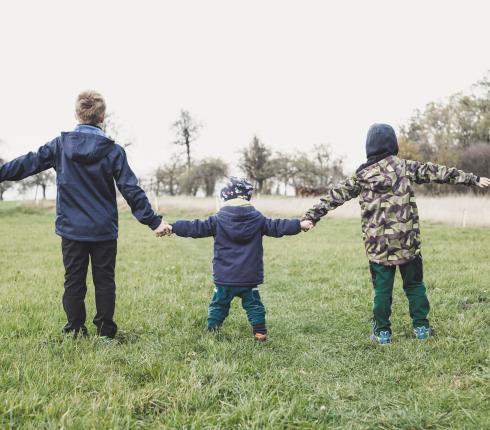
{"type": "Point", "coordinates": [237, 188]}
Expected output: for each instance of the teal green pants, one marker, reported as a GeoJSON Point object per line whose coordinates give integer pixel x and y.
{"type": "Point", "coordinates": [413, 285]}
{"type": "Point", "coordinates": [219, 308]}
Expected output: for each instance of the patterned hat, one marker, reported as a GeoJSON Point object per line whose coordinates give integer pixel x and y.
{"type": "Point", "coordinates": [237, 188]}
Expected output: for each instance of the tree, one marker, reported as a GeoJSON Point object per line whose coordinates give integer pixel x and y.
{"type": "Point", "coordinates": [327, 169]}
{"type": "Point", "coordinates": [476, 159]}
{"type": "Point", "coordinates": [111, 128]}
{"type": "Point", "coordinates": [304, 172]}
{"type": "Point", "coordinates": [448, 132]}
{"type": "Point", "coordinates": [284, 169]}
{"type": "Point", "coordinates": [190, 180]}
{"type": "Point", "coordinates": [43, 180]}
{"type": "Point", "coordinates": [4, 186]}
{"type": "Point", "coordinates": [211, 170]}
{"type": "Point", "coordinates": [186, 131]}
{"type": "Point", "coordinates": [256, 162]}
{"type": "Point", "coordinates": [408, 149]}
{"type": "Point", "coordinates": [167, 176]}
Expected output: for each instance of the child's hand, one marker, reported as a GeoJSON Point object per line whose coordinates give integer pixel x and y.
{"type": "Point", "coordinates": [483, 183]}
{"type": "Point", "coordinates": [164, 229]}
{"type": "Point", "coordinates": [306, 225]}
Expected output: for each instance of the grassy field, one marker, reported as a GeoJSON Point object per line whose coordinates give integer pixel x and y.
{"type": "Point", "coordinates": [320, 371]}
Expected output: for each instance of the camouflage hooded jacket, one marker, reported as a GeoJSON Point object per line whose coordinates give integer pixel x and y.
{"type": "Point", "coordinates": [390, 220]}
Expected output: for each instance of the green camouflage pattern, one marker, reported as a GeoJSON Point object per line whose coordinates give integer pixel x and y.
{"type": "Point", "coordinates": [390, 219]}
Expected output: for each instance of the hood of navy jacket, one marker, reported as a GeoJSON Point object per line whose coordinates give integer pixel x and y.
{"type": "Point", "coordinates": [380, 140]}
{"type": "Point", "coordinates": [240, 223]}
{"type": "Point", "coordinates": [86, 148]}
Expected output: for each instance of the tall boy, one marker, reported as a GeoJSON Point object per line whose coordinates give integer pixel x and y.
{"type": "Point", "coordinates": [390, 223]}
{"type": "Point", "coordinates": [87, 163]}
{"type": "Point", "coordinates": [238, 266]}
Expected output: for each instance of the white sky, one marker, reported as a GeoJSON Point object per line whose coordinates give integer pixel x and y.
{"type": "Point", "coordinates": [297, 73]}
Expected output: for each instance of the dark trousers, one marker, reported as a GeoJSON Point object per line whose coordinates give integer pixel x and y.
{"type": "Point", "coordinates": [76, 258]}
{"type": "Point", "coordinates": [219, 308]}
{"type": "Point", "coordinates": [413, 285]}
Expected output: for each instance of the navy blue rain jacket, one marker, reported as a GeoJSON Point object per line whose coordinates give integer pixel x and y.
{"type": "Point", "coordinates": [238, 252]}
{"type": "Point", "coordinates": [87, 165]}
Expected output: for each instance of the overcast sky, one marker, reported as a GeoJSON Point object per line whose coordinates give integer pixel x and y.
{"type": "Point", "coordinates": [297, 73]}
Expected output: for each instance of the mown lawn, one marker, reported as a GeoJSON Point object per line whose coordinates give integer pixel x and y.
{"type": "Point", "coordinates": [320, 371]}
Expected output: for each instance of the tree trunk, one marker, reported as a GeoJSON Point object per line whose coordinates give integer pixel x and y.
{"type": "Point", "coordinates": [1, 195]}
{"type": "Point", "coordinates": [171, 187]}
{"type": "Point", "coordinates": [210, 185]}
{"type": "Point", "coordinates": [188, 149]}
{"type": "Point", "coordinates": [44, 191]}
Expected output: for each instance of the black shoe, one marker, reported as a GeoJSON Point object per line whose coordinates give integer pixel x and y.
{"type": "Point", "coordinates": [79, 333]}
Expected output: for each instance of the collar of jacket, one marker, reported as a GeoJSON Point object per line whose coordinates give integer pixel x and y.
{"type": "Point", "coordinates": [237, 202]}
{"type": "Point", "coordinates": [373, 160]}
{"type": "Point", "coordinates": [90, 129]}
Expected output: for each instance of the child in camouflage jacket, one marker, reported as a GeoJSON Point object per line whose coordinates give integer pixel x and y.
{"type": "Point", "coordinates": [390, 223]}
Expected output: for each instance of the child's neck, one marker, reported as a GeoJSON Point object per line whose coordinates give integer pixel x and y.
{"type": "Point", "coordinates": [237, 202]}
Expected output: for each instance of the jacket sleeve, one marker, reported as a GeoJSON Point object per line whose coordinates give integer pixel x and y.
{"type": "Point", "coordinates": [196, 228]}
{"type": "Point", "coordinates": [281, 227]}
{"type": "Point", "coordinates": [127, 183]}
{"type": "Point", "coordinates": [29, 164]}
{"type": "Point", "coordinates": [423, 173]}
{"type": "Point", "coordinates": [336, 196]}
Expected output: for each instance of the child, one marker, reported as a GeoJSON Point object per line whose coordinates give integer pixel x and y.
{"type": "Point", "coordinates": [87, 164]}
{"type": "Point", "coordinates": [238, 267]}
{"type": "Point", "coordinates": [390, 223]}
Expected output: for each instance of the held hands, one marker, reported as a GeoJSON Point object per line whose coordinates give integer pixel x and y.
{"type": "Point", "coordinates": [483, 183]}
{"type": "Point", "coordinates": [164, 229]}
{"type": "Point", "coordinates": [306, 225]}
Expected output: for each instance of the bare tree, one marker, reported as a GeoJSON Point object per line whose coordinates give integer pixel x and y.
{"type": "Point", "coordinates": [111, 128]}
{"type": "Point", "coordinates": [284, 169]}
{"type": "Point", "coordinates": [41, 180]}
{"type": "Point", "coordinates": [167, 176]}
{"type": "Point", "coordinates": [186, 131]}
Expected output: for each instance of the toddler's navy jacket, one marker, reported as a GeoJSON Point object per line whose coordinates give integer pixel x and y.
{"type": "Point", "coordinates": [238, 251]}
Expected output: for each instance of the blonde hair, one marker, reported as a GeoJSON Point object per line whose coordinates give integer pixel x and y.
{"type": "Point", "coordinates": [90, 107]}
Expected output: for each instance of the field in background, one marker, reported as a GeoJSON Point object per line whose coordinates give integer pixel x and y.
{"type": "Point", "coordinates": [453, 210]}
{"type": "Point", "coordinates": [321, 371]}
{"type": "Point", "coordinates": [456, 210]}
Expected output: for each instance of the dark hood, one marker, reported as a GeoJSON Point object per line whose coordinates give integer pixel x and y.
{"type": "Point", "coordinates": [85, 148]}
{"type": "Point", "coordinates": [381, 139]}
{"type": "Point", "coordinates": [240, 223]}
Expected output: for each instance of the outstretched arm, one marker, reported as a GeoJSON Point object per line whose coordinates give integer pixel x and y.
{"type": "Point", "coordinates": [29, 164]}
{"type": "Point", "coordinates": [336, 196]}
{"type": "Point", "coordinates": [127, 183]}
{"type": "Point", "coordinates": [281, 227]}
{"type": "Point", "coordinates": [423, 173]}
{"type": "Point", "coordinates": [196, 228]}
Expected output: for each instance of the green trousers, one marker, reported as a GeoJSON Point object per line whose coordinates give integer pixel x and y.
{"type": "Point", "coordinates": [219, 308]}
{"type": "Point", "coordinates": [413, 285]}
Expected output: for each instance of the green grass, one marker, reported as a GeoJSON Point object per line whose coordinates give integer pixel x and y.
{"type": "Point", "coordinates": [321, 371]}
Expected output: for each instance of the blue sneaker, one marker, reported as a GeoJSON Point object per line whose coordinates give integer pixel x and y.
{"type": "Point", "coordinates": [422, 333]}
{"type": "Point", "coordinates": [383, 338]}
